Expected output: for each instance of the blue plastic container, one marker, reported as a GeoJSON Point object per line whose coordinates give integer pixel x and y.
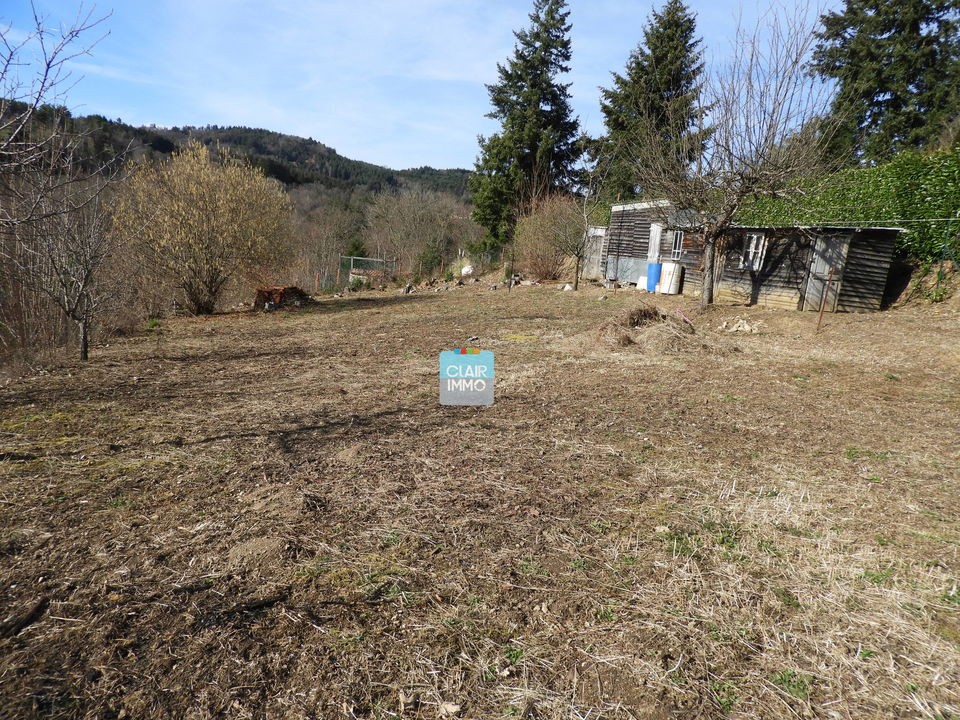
{"type": "Point", "coordinates": [653, 276]}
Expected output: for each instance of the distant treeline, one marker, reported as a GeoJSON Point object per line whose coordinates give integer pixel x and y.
{"type": "Point", "coordinates": [291, 160]}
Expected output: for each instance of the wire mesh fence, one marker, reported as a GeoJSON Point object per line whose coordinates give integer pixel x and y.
{"type": "Point", "coordinates": [370, 272]}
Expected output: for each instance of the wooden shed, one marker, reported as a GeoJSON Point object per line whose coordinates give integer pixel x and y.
{"type": "Point", "coordinates": [784, 267]}
{"type": "Point", "coordinates": [640, 234]}
{"type": "Point", "coordinates": [792, 268]}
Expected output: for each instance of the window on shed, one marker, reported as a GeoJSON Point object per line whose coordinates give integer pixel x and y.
{"type": "Point", "coordinates": [754, 248]}
{"type": "Point", "coordinates": [677, 249]}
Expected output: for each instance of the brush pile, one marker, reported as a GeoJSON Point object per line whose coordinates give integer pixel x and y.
{"type": "Point", "coordinates": [648, 328]}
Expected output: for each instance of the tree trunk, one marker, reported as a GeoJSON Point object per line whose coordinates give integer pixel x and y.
{"type": "Point", "coordinates": [84, 340]}
{"type": "Point", "coordinates": [709, 258]}
{"type": "Point", "coordinates": [576, 275]}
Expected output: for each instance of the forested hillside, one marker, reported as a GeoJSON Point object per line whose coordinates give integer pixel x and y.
{"type": "Point", "coordinates": [291, 160]}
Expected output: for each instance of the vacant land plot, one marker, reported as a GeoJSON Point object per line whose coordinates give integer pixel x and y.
{"type": "Point", "coordinates": [270, 516]}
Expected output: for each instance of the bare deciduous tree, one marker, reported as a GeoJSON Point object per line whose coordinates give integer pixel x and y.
{"type": "Point", "coordinates": [53, 238]}
{"type": "Point", "coordinates": [591, 206]}
{"type": "Point", "coordinates": [558, 226]}
{"type": "Point", "coordinates": [543, 237]}
{"type": "Point", "coordinates": [419, 228]}
{"type": "Point", "coordinates": [322, 237]}
{"type": "Point", "coordinates": [768, 133]}
{"type": "Point", "coordinates": [204, 221]}
{"type": "Point", "coordinates": [60, 253]}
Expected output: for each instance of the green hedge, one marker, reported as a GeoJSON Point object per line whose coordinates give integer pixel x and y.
{"type": "Point", "coordinates": [919, 192]}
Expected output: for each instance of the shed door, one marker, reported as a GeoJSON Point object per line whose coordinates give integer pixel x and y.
{"type": "Point", "coordinates": [826, 268]}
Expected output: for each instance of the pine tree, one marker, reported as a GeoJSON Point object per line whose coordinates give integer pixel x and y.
{"type": "Point", "coordinates": [356, 248]}
{"type": "Point", "coordinates": [537, 148]}
{"type": "Point", "coordinates": [660, 87]}
{"type": "Point", "coordinates": [897, 66]}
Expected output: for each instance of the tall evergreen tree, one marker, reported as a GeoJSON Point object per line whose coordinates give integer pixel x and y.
{"type": "Point", "coordinates": [897, 65]}
{"type": "Point", "coordinates": [537, 148]}
{"type": "Point", "coordinates": [660, 87]}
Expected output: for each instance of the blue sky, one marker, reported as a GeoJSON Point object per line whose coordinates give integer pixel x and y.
{"type": "Point", "coordinates": [399, 84]}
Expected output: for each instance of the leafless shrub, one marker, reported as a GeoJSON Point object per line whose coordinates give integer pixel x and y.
{"type": "Point", "coordinates": [205, 222]}
{"type": "Point", "coordinates": [547, 236]}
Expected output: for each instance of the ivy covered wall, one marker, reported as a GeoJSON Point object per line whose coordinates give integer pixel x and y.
{"type": "Point", "coordinates": [919, 192]}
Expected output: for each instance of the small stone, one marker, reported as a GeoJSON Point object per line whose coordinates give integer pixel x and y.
{"type": "Point", "coordinates": [449, 709]}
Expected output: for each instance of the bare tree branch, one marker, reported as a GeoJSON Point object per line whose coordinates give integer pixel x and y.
{"type": "Point", "coordinates": [31, 122]}
{"type": "Point", "coordinates": [767, 132]}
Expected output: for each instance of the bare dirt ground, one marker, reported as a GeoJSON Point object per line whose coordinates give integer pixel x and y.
{"type": "Point", "coordinates": [270, 516]}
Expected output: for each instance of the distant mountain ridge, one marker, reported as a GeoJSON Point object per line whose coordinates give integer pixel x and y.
{"type": "Point", "coordinates": [290, 159]}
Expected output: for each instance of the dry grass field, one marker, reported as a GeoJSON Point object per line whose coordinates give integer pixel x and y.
{"type": "Point", "coordinates": [270, 515]}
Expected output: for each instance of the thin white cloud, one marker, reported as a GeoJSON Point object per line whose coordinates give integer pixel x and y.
{"type": "Point", "coordinates": [399, 84]}
{"type": "Point", "coordinates": [115, 72]}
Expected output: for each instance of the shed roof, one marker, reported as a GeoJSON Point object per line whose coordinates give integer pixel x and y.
{"type": "Point", "coordinates": [641, 205]}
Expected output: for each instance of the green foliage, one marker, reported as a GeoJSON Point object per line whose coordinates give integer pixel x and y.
{"type": "Point", "coordinates": [356, 248]}
{"type": "Point", "coordinates": [725, 695]}
{"type": "Point", "coordinates": [787, 597]}
{"type": "Point", "coordinates": [607, 614]}
{"type": "Point", "coordinates": [432, 256]}
{"type": "Point", "coordinates": [794, 683]}
{"type": "Point", "coordinates": [536, 149]}
{"type": "Point", "coordinates": [879, 577]}
{"type": "Point", "coordinates": [661, 85]}
{"type": "Point", "coordinates": [897, 66]}
{"type": "Point", "coordinates": [513, 654]}
{"type": "Point", "coordinates": [494, 185]}
{"type": "Point", "coordinates": [917, 191]}
{"type": "Point", "coordinates": [452, 182]}
{"type": "Point", "coordinates": [855, 453]}
{"type": "Point", "coordinates": [291, 160]}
